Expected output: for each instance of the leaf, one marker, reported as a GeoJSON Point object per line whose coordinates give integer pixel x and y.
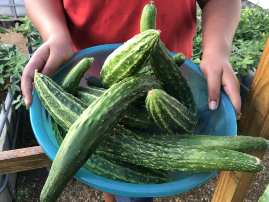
{"type": "Point", "coordinates": [15, 88]}
{"type": "Point", "coordinates": [18, 53]}
{"type": "Point", "coordinates": [3, 31]}
{"type": "Point", "coordinates": [2, 80]}
{"type": "Point", "coordinates": [10, 54]}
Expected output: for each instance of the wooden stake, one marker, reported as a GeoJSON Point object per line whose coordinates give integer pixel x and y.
{"type": "Point", "coordinates": [13, 161]}
{"type": "Point", "coordinates": [254, 121]}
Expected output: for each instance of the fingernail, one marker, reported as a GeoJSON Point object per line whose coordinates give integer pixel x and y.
{"type": "Point", "coordinates": [25, 100]}
{"type": "Point", "coordinates": [213, 105]}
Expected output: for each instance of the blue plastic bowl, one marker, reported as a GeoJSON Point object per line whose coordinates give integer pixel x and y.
{"type": "Point", "coordinates": [221, 122]}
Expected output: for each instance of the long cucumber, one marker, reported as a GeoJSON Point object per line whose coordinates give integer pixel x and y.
{"type": "Point", "coordinates": [89, 130]}
{"type": "Point", "coordinates": [116, 169]}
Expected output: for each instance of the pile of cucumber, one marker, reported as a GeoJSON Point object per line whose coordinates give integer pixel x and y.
{"type": "Point", "coordinates": [103, 127]}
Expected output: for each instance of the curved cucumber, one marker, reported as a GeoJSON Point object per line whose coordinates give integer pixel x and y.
{"type": "Point", "coordinates": [243, 144]}
{"type": "Point", "coordinates": [89, 130]}
{"type": "Point", "coordinates": [149, 12]}
{"type": "Point", "coordinates": [136, 117]}
{"type": "Point", "coordinates": [169, 114]}
{"type": "Point", "coordinates": [179, 59]}
{"type": "Point", "coordinates": [165, 67]}
{"type": "Point", "coordinates": [180, 158]}
{"type": "Point", "coordinates": [72, 79]}
{"type": "Point", "coordinates": [129, 58]}
{"type": "Point", "coordinates": [116, 169]}
{"type": "Point", "coordinates": [57, 102]}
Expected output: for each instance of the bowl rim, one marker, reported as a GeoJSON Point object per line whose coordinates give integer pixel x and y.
{"type": "Point", "coordinates": [116, 187]}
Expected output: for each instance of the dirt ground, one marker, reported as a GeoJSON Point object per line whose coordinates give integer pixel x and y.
{"type": "Point", "coordinates": [20, 42]}
{"type": "Point", "coordinates": [30, 183]}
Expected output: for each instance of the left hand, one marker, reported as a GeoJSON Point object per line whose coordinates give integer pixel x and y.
{"type": "Point", "coordinates": [219, 73]}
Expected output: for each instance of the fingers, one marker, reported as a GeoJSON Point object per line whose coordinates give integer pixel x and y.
{"type": "Point", "coordinates": [53, 63]}
{"type": "Point", "coordinates": [232, 88]}
{"type": "Point", "coordinates": [222, 76]}
{"type": "Point", "coordinates": [214, 85]}
{"type": "Point", "coordinates": [37, 61]}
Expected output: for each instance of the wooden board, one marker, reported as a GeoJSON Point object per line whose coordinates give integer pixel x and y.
{"type": "Point", "coordinates": [13, 161]}
{"type": "Point", "coordinates": [254, 121]}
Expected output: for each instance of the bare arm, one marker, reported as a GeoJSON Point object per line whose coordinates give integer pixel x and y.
{"type": "Point", "coordinates": [219, 22]}
{"type": "Point", "coordinates": [49, 19]}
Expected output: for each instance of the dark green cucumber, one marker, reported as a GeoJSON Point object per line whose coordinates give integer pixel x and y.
{"type": "Point", "coordinates": [179, 59]}
{"type": "Point", "coordinates": [265, 196]}
{"type": "Point", "coordinates": [165, 67]}
{"type": "Point", "coordinates": [243, 144]}
{"type": "Point", "coordinates": [116, 169]}
{"type": "Point", "coordinates": [90, 129]}
{"type": "Point", "coordinates": [136, 117]}
{"type": "Point", "coordinates": [93, 81]}
{"type": "Point", "coordinates": [149, 12]}
{"type": "Point", "coordinates": [129, 58]}
{"type": "Point", "coordinates": [53, 97]}
{"type": "Point", "coordinates": [167, 72]}
{"type": "Point", "coordinates": [169, 114]}
{"type": "Point", "coordinates": [180, 158]}
{"type": "Point", "coordinates": [72, 79]}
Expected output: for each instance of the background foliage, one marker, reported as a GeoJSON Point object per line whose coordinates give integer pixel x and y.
{"type": "Point", "coordinates": [248, 43]}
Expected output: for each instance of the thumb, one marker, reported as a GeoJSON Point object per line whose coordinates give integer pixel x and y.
{"type": "Point", "coordinates": [214, 86]}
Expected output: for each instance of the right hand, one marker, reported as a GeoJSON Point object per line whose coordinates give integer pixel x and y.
{"type": "Point", "coordinates": [47, 59]}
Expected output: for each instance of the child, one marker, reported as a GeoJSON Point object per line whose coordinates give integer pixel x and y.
{"type": "Point", "coordinates": [67, 26]}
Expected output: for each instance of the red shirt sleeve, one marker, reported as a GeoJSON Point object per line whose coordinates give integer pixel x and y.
{"type": "Point", "coordinates": [93, 23]}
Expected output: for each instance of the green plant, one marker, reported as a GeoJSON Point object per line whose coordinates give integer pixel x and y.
{"type": "Point", "coordinates": [4, 17]}
{"type": "Point", "coordinates": [29, 31]}
{"type": "Point", "coordinates": [11, 66]}
{"type": "Point", "coordinates": [248, 43]}
{"type": "Point", "coordinates": [23, 194]}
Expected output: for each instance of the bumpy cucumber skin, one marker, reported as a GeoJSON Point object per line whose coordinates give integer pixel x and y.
{"type": "Point", "coordinates": [149, 12]}
{"type": "Point", "coordinates": [169, 114]}
{"type": "Point", "coordinates": [136, 117]}
{"type": "Point", "coordinates": [89, 130]}
{"type": "Point", "coordinates": [243, 144]}
{"type": "Point", "coordinates": [93, 81]}
{"type": "Point", "coordinates": [181, 158]}
{"type": "Point", "coordinates": [179, 59]}
{"type": "Point", "coordinates": [129, 58]}
{"type": "Point", "coordinates": [72, 79]}
{"type": "Point", "coordinates": [52, 97]}
{"type": "Point", "coordinates": [265, 196]}
{"type": "Point", "coordinates": [165, 67]}
{"type": "Point", "coordinates": [116, 169]}
{"type": "Point", "coordinates": [167, 72]}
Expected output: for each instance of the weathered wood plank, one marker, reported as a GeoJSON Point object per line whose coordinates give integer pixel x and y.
{"type": "Point", "coordinates": [23, 159]}
{"type": "Point", "coordinates": [254, 121]}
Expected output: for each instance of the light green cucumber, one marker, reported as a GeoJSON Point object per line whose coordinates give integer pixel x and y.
{"type": "Point", "coordinates": [129, 58]}
{"type": "Point", "coordinates": [177, 158]}
{"type": "Point", "coordinates": [72, 79]}
{"type": "Point", "coordinates": [169, 114]}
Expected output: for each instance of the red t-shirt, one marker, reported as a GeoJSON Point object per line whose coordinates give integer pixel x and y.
{"type": "Point", "coordinates": [93, 23]}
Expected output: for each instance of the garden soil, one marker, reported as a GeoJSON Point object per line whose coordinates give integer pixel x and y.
{"type": "Point", "coordinates": [30, 183]}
